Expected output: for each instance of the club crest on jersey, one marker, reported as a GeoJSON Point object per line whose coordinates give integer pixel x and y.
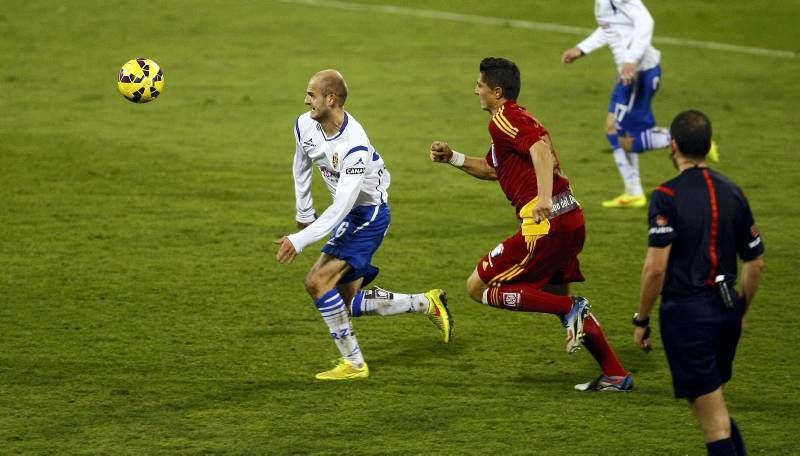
{"type": "Point", "coordinates": [335, 160]}
{"type": "Point", "coordinates": [511, 299]}
{"type": "Point", "coordinates": [662, 220]}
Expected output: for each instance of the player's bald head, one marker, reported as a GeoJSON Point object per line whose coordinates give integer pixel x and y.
{"type": "Point", "coordinates": [331, 82]}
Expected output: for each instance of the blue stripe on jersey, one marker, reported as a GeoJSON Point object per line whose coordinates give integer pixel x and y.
{"type": "Point", "coordinates": [297, 128]}
{"type": "Point", "coordinates": [354, 149]}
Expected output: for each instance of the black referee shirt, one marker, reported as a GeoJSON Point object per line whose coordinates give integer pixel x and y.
{"type": "Point", "coordinates": [708, 221]}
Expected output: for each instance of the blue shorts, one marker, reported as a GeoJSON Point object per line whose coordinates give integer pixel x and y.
{"type": "Point", "coordinates": [632, 105]}
{"type": "Point", "coordinates": [357, 238]}
{"type": "Point", "coordinates": [700, 337]}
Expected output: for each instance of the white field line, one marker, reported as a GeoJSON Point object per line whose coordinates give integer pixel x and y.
{"type": "Point", "coordinates": [531, 25]}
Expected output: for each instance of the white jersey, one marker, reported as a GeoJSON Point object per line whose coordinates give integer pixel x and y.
{"type": "Point", "coordinates": [627, 27]}
{"type": "Point", "coordinates": [351, 168]}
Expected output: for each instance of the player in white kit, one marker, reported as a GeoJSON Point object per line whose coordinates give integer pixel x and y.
{"type": "Point", "coordinates": [356, 222]}
{"type": "Point", "coordinates": [626, 26]}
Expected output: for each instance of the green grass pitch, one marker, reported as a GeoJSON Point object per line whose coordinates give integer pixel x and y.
{"type": "Point", "coordinates": [141, 307]}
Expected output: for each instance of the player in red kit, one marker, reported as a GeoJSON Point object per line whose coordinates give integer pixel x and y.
{"type": "Point", "coordinates": [531, 270]}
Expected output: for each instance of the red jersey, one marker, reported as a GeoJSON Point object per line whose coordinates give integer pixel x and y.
{"type": "Point", "coordinates": [514, 130]}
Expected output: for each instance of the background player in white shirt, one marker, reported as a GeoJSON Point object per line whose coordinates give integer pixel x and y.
{"type": "Point", "coordinates": [626, 26]}
{"type": "Point", "coordinates": [357, 221]}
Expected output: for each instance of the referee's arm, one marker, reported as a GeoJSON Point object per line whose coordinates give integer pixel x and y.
{"type": "Point", "coordinates": [751, 277]}
{"type": "Point", "coordinates": [653, 273]}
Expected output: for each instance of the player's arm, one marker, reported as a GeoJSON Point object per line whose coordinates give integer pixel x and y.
{"type": "Point", "coordinates": [302, 170]}
{"type": "Point", "coordinates": [543, 165]}
{"type": "Point", "coordinates": [661, 218]}
{"type": "Point", "coordinates": [347, 190]}
{"type": "Point", "coordinates": [751, 278]}
{"type": "Point", "coordinates": [441, 152]}
{"type": "Point", "coordinates": [593, 42]}
{"type": "Point", "coordinates": [653, 273]}
{"type": "Point", "coordinates": [750, 248]}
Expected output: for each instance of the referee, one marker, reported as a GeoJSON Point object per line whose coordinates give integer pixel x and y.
{"type": "Point", "coordinates": [699, 222]}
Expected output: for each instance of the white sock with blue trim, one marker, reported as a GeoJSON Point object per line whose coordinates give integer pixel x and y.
{"type": "Point", "coordinates": [331, 307]}
{"type": "Point", "coordinates": [628, 166]}
{"type": "Point", "coordinates": [653, 138]}
{"type": "Point", "coordinates": [385, 303]}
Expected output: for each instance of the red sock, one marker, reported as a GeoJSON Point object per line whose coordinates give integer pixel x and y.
{"type": "Point", "coordinates": [597, 344]}
{"type": "Point", "coordinates": [528, 298]}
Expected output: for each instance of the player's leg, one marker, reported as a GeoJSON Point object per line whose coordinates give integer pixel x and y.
{"type": "Point", "coordinates": [615, 378]}
{"type": "Point", "coordinates": [345, 259]}
{"type": "Point", "coordinates": [518, 275]}
{"type": "Point", "coordinates": [645, 140]}
{"type": "Point", "coordinates": [628, 167]}
{"type": "Point", "coordinates": [321, 285]}
{"type": "Point", "coordinates": [712, 415]}
{"type": "Point", "coordinates": [432, 304]}
{"type": "Point", "coordinates": [503, 277]}
{"type": "Point", "coordinates": [639, 124]}
{"type": "Point", "coordinates": [594, 339]}
{"type": "Point", "coordinates": [349, 291]}
{"type": "Point", "coordinates": [357, 243]}
{"type": "Point", "coordinates": [385, 303]}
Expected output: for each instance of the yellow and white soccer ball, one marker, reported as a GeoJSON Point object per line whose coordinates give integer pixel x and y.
{"type": "Point", "coordinates": [140, 80]}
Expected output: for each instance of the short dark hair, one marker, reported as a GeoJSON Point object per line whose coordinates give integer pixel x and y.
{"type": "Point", "coordinates": [691, 130]}
{"type": "Point", "coordinates": [502, 73]}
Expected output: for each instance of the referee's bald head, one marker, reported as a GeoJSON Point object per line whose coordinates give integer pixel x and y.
{"type": "Point", "coordinates": [691, 131]}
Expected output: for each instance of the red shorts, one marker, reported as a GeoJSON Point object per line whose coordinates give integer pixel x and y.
{"type": "Point", "coordinates": [552, 259]}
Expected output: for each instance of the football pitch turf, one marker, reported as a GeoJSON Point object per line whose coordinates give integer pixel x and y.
{"type": "Point", "coordinates": [141, 307]}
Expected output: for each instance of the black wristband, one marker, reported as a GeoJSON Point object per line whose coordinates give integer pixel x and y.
{"type": "Point", "coordinates": [640, 323]}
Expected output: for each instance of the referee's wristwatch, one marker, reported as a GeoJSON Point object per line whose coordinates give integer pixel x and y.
{"type": "Point", "coordinates": [640, 323]}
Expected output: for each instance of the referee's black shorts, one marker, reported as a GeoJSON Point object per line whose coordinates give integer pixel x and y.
{"type": "Point", "coordinates": [700, 337]}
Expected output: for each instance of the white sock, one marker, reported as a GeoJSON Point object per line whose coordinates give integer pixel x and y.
{"type": "Point", "coordinates": [382, 302]}
{"type": "Point", "coordinates": [331, 307]}
{"type": "Point", "coordinates": [658, 137]}
{"type": "Point", "coordinates": [633, 187]}
{"type": "Point", "coordinates": [629, 172]}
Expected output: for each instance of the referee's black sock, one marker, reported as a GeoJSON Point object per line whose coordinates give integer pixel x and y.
{"type": "Point", "coordinates": [724, 447]}
{"type": "Point", "coordinates": [738, 441]}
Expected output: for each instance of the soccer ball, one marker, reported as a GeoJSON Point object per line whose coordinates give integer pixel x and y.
{"type": "Point", "coordinates": [140, 80]}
